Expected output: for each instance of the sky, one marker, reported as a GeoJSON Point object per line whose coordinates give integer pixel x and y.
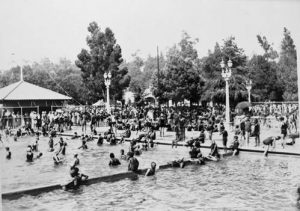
{"type": "Point", "coordinates": [35, 29]}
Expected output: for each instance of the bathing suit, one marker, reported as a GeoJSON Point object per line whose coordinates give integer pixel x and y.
{"type": "Point", "coordinates": [29, 156]}
{"type": "Point", "coordinates": [114, 162]}
{"type": "Point", "coordinates": [133, 164]}
{"type": "Point", "coordinates": [8, 156]}
{"type": "Point", "coordinates": [100, 140]}
{"type": "Point", "coordinates": [268, 141]}
{"type": "Point", "coordinates": [151, 172]}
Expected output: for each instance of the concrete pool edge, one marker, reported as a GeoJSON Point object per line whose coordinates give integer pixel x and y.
{"type": "Point", "coordinates": [12, 195]}
{"type": "Point", "coordinates": [202, 146]}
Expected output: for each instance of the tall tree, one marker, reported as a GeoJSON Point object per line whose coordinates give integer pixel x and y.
{"type": "Point", "coordinates": [287, 71]}
{"type": "Point", "coordinates": [269, 52]}
{"type": "Point", "coordinates": [215, 84]}
{"type": "Point", "coordinates": [104, 55]}
{"type": "Point", "coordinates": [181, 78]}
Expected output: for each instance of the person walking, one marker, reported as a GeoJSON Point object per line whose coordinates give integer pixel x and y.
{"type": "Point", "coordinates": [256, 132]}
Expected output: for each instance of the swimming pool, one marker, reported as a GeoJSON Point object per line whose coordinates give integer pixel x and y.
{"type": "Point", "coordinates": [19, 174]}
{"type": "Point", "coordinates": [247, 182]}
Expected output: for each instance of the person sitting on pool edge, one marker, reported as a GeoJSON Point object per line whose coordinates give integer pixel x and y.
{"type": "Point", "coordinates": [151, 171]}
{"type": "Point", "coordinates": [270, 141]}
{"type": "Point", "coordinates": [8, 155]}
{"type": "Point", "coordinates": [214, 153]}
{"type": "Point", "coordinates": [177, 163]}
{"type": "Point", "coordinates": [133, 164]}
{"type": "Point", "coordinates": [195, 151]}
{"type": "Point", "coordinates": [113, 161]}
{"type": "Point", "coordinates": [235, 146]}
{"type": "Point", "coordinates": [75, 136]}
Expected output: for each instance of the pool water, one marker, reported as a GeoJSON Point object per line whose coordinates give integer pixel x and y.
{"type": "Point", "coordinates": [246, 182]}
{"type": "Point", "coordinates": [19, 174]}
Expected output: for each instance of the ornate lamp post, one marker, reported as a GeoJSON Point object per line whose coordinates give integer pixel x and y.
{"type": "Point", "coordinates": [249, 87]}
{"type": "Point", "coordinates": [226, 74]}
{"type": "Point", "coordinates": [107, 81]}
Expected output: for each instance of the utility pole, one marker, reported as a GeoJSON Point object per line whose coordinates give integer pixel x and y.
{"type": "Point", "coordinates": [158, 76]}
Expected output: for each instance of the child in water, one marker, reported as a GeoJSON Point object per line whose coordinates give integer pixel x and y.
{"type": "Point", "coordinates": [113, 161]}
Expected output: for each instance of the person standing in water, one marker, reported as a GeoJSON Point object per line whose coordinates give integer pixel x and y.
{"type": "Point", "coordinates": [133, 162]}
{"type": "Point", "coordinates": [8, 153]}
{"type": "Point", "coordinates": [151, 171]}
{"type": "Point", "coordinates": [76, 161]}
{"type": "Point", "coordinates": [113, 161]}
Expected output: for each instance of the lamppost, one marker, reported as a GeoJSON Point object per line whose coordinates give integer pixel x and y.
{"type": "Point", "coordinates": [107, 81]}
{"type": "Point", "coordinates": [226, 74]}
{"type": "Point", "coordinates": [249, 87]}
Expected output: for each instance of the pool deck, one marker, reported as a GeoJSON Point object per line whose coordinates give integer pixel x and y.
{"type": "Point", "coordinates": [170, 136]}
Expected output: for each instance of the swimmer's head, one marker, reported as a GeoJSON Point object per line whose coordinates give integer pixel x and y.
{"type": "Point", "coordinates": [112, 155]}
{"type": "Point", "coordinates": [130, 154]}
{"type": "Point", "coordinates": [76, 155]}
{"type": "Point", "coordinates": [153, 164]}
{"type": "Point", "coordinates": [235, 137]}
{"type": "Point", "coordinates": [122, 151]}
{"type": "Point", "coordinates": [7, 148]}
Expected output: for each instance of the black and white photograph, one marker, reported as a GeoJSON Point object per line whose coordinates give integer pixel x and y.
{"type": "Point", "coordinates": [149, 105]}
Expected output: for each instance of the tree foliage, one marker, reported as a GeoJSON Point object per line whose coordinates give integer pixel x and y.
{"type": "Point", "coordinates": [287, 67]}
{"type": "Point", "coordinates": [104, 55]}
{"type": "Point", "coordinates": [180, 79]}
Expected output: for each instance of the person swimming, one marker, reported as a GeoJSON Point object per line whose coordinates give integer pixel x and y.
{"type": "Point", "coordinates": [8, 153]}
{"type": "Point", "coordinates": [113, 161]}
{"type": "Point", "coordinates": [151, 171]}
{"type": "Point", "coordinates": [75, 136]}
{"type": "Point", "coordinates": [133, 162]}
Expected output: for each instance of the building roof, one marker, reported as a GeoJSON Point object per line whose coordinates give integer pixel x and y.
{"type": "Point", "coordinates": [23, 90]}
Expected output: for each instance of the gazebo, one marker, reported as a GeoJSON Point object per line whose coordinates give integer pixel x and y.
{"type": "Point", "coordinates": [24, 97]}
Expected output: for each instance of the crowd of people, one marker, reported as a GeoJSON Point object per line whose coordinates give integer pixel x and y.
{"type": "Point", "coordinates": [145, 122]}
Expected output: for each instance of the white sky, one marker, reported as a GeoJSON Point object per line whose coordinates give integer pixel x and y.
{"type": "Point", "coordinates": [35, 29]}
